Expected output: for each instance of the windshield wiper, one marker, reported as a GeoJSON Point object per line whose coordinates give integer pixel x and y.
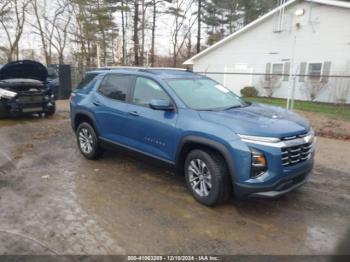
{"type": "Point", "coordinates": [233, 107]}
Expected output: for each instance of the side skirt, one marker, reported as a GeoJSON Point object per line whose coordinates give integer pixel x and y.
{"type": "Point", "coordinates": [145, 157]}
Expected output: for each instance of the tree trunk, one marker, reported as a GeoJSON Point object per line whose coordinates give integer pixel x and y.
{"type": "Point", "coordinates": [123, 32]}
{"type": "Point", "coordinates": [143, 33]}
{"type": "Point", "coordinates": [153, 31]}
{"type": "Point", "coordinates": [61, 58]}
{"type": "Point", "coordinates": [199, 26]}
{"type": "Point", "coordinates": [136, 36]}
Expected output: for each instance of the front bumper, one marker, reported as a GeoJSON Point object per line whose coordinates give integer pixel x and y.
{"type": "Point", "coordinates": [12, 108]}
{"type": "Point", "coordinates": [289, 164]}
{"type": "Point", "coordinates": [278, 188]}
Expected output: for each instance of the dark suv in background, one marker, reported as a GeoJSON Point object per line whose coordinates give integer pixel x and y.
{"type": "Point", "coordinates": [24, 90]}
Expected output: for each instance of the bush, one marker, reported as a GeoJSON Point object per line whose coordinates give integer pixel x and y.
{"type": "Point", "coordinates": [249, 91]}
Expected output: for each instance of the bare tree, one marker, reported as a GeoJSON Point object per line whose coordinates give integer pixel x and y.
{"type": "Point", "coordinates": [155, 4]}
{"type": "Point", "coordinates": [46, 25]}
{"type": "Point", "coordinates": [313, 87]}
{"type": "Point", "coordinates": [12, 19]}
{"type": "Point", "coordinates": [270, 84]}
{"type": "Point", "coordinates": [180, 10]}
{"type": "Point", "coordinates": [59, 42]}
{"type": "Point", "coordinates": [341, 85]}
{"type": "Point", "coordinates": [124, 9]}
{"type": "Point", "coordinates": [199, 26]}
{"type": "Point", "coordinates": [136, 33]}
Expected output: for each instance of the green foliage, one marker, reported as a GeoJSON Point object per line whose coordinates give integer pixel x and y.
{"type": "Point", "coordinates": [224, 17]}
{"type": "Point", "coordinates": [249, 91]}
{"type": "Point", "coordinates": [337, 111]}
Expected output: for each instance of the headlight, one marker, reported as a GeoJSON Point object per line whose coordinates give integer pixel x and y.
{"type": "Point", "coordinates": [253, 139]}
{"type": "Point", "coordinates": [7, 94]}
{"type": "Point", "coordinates": [259, 163]}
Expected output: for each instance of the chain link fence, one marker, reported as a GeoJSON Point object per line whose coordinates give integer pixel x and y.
{"type": "Point", "coordinates": [331, 88]}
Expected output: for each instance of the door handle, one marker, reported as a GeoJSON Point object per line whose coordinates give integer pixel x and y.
{"type": "Point", "coordinates": [96, 102]}
{"type": "Point", "coordinates": [133, 113]}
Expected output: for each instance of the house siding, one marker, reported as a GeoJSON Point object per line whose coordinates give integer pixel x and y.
{"type": "Point", "coordinates": [323, 35]}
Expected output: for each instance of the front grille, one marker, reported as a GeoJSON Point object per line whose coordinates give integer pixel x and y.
{"type": "Point", "coordinates": [30, 99]}
{"type": "Point", "coordinates": [296, 154]}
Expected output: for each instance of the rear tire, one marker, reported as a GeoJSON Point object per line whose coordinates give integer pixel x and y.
{"type": "Point", "coordinates": [88, 142]}
{"type": "Point", "coordinates": [207, 177]}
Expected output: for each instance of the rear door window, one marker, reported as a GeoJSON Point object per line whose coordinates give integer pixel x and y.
{"type": "Point", "coordinates": [116, 86]}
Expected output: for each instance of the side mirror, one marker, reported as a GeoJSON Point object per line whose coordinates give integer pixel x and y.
{"type": "Point", "coordinates": [160, 104]}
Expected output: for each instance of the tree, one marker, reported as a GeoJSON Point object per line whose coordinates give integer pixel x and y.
{"type": "Point", "coordinates": [155, 4]}
{"type": "Point", "coordinates": [12, 19]}
{"type": "Point", "coordinates": [313, 87]}
{"type": "Point", "coordinates": [255, 8]}
{"type": "Point", "coordinates": [199, 21]}
{"type": "Point", "coordinates": [124, 9]}
{"type": "Point", "coordinates": [224, 17]}
{"type": "Point", "coordinates": [59, 42]}
{"type": "Point", "coordinates": [136, 33]}
{"type": "Point", "coordinates": [47, 23]}
{"type": "Point", "coordinates": [94, 28]}
{"type": "Point", "coordinates": [270, 84]}
{"type": "Point", "coordinates": [179, 10]}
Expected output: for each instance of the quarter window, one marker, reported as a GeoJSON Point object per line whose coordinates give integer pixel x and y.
{"type": "Point", "coordinates": [146, 90]}
{"type": "Point", "coordinates": [116, 86]}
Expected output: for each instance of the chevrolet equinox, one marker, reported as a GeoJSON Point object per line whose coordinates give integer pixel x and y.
{"type": "Point", "coordinates": [222, 144]}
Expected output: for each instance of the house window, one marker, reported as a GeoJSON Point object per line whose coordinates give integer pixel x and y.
{"type": "Point", "coordinates": [315, 71]}
{"type": "Point", "coordinates": [277, 69]}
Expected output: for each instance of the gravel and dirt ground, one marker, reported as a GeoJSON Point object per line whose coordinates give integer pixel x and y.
{"type": "Point", "coordinates": [328, 127]}
{"type": "Point", "coordinates": [53, 201]}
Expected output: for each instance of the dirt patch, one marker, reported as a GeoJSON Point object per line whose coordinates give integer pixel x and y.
{"type": "Point", "coordinates": [20, 150]}
{"type": "Point", "coordinates": [45, 134]}
{"type": "Point", "coordinates": [328, 127]}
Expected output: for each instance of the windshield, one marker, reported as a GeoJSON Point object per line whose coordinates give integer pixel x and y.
{"type": "Point", "coordinates": [205, 94]}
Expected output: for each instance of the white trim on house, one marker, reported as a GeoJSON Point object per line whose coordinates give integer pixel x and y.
{"type": "Point", "coordinates": [335, 3]}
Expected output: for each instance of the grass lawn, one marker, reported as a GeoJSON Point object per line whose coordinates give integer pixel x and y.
{"type": "Point", "coordinates": [331, 110]}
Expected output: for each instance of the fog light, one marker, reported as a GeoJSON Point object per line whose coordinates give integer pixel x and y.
{"type": "Point", "coordinates": [259, 163]}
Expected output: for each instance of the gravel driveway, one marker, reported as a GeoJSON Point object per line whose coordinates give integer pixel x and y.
{"type": "Point", "coordinates": [52, 201]}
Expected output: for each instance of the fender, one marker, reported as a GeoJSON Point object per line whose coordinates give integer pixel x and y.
{"type": "Point", "coordinates": [222, 149]}
{"type": "Point", "coordinates": [87, 114]}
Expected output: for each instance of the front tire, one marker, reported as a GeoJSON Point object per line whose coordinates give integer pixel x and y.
{"type": "Point", "coordinates": [207, 177]}
{"type": "Point", "coordinates": [52, 110]}
{"type": "Point", "coordinates": [88, 142]}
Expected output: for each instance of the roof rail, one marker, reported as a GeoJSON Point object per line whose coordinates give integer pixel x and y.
{"type": "Point", "coordinates": [141, 67]}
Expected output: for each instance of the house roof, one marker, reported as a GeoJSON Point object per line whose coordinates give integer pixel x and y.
{"type": "Point", "coordinates": [335, 3]}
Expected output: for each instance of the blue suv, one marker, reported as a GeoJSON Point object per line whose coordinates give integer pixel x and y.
{"type": "Point", "coordinates": [222, 144]}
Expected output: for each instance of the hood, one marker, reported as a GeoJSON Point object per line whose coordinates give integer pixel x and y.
{"type": "Point", "coordinates": [259, 120]}
{"type": "Point", "coordinates": [25, 69]}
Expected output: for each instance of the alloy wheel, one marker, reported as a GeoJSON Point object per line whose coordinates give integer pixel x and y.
{"type": "Point", "coordinates": [85, 141]}
{"type": "Point", "coordinates": [200, 177]}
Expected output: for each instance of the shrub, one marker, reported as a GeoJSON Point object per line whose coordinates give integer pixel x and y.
{"type": "Point", "coordinates": [249, 91]}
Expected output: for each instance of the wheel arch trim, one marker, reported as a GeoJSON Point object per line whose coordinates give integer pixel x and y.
{"type": "Point", "coordinates": [202, 141]}
{"type": "Point", "coordinates": [85, 114]}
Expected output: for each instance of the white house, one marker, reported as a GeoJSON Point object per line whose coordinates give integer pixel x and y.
{"type": "Point", "coordinates": [300, 37]}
